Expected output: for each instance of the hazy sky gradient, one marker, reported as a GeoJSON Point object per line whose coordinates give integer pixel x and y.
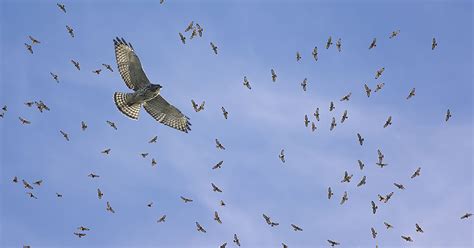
{"type": "Point", "coordinates": [253, 37]}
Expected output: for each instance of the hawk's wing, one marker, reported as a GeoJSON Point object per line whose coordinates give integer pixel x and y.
{"type": "Point", "coordinates": [129, 65]}
{"type": "Point", "coordinates": [167, 114]}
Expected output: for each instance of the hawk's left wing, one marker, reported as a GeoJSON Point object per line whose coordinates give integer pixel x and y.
{"type": "Point", "coordinates": [129, 65]}
{"type": "Point", "coordinates": [167, 114]}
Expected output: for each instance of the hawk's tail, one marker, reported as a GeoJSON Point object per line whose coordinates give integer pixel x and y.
{"type": "Point", "coordinates": [121, 101]}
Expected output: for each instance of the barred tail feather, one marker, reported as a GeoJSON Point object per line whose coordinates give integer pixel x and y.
{"type": "Point", "coordinates": [122, 104]}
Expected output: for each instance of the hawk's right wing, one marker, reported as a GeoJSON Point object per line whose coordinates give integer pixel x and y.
{"type": "Point", "coordinates": [129, 65]}
{"type": "Point", "coordinates": [167, 114]}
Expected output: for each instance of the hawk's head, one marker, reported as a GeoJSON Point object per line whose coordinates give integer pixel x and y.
{"type": "Point", "coordinates": [155, 88]}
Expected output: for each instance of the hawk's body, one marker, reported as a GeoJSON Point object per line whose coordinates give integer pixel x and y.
{"type": "Point", "coordinates": [145, 93]}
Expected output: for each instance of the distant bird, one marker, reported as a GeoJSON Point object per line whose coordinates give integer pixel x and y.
{"type": "Point", "coordinates": [416, 173]}
{"type": "Point", "coordinates": [282, 155]}
{"type": "Point", "coordinates": [33, 40]}
{"type": "Point", "coordinates": [338, 44]}
{"type": "Point", "coordinates": [347, 178]}
{"type": "Point", "coordinates": [39, 182]}
{"type": "Point", "coordinates": [344, 198]}
{"type": "Point", "coordinates": [76, 64]}
{"type": "Point", "coordinates": [333, 124]}
{"type": "Point", "coordinates": [97, 71]}
{"type": "Point", "coordinates": [394, 34]}
{"type": "Point", "coordinates": [411, 94]}
{"type": "Point", "coordinates": [313, 126]}
{"type": "Point", "coordinates": [70, 31]}
{"type": "Point", "coordinates": [267, 219]}
{"type": "Point", "coordinates": [4, 108]}
{"type": "Point", "coordinates": [29, 104]}
{"type": "Point", "coordinates": [109, 208]}
{"type": "Point", "coordinates": [196, 107]}
{"type": "Point", "coordinates": [274, 75]}
{"type": "Point", "coordinates": [247, 83]}
{"type": "Point", "coordinates": [284, 245]}
{"type": "Point", "coordinates": [330, 193]}
{"type": "Point", "coordinates": [222, 203]}
{"type": "Point", "coordinates": [219, 145]}
{"type": "Point", "coordinates": [315, 53]}
{"type": "Point", "coordinates": [150, 204]}
{"type": "Point", "coordinates": [361, 164]}
{"type": "Point", "coordinates": [346, 97]}
{"type": "Point", "coordinates": [108, 67]}
{"type": "Point", "coordinates": [79, 235]}
{"type": "Point", "coordinates": [182, 38]}
{"type": "Point", "coordinates": [236, 240]}
{"type": "Point", "coordinates": [224, 112]}
{"type": "Point", "coordinates": [92, 175]}
{"type": "Point", "coordinates": [200, 228]}
{"type": "Point", "coordinates": [215, 188]}
{"type": "Point", "coordinates": [400, 186]}
{"type": "Point", "coordinates": [362, 181]}
{"type": "Point", "coordinates": [65, 135]}
{"type": "Point", "coordinates": [24, 121]}
{"type": "Point", "coordinates": [199, 29]}
{"type": "Point", "coordinates": [465, 216]}
{"type": "Point", "coordinates": [144, 154]}
{"type": "Point", "coordinates": [388, 122]}
{"type": "Point", "coordinates": [82, 228]}
{"type": "Point", "coordinates": [381, 198]}
{"type": "Point", "coordinates": [58, 195]}
{"type": "Point", "coordinates": [162, 219]}
{"type": "Point", "coordinates": [214, 47]}
{"type": "Point", "coordinates": [189, 27]}
{"type": "Point", "coordinates": [153, 140]}
{"type": "Point", "coordinates": [434, 44]}
{"type": "Point", "coordinates": [2, 114]}
{"type": "Point", "coordinates": [306, 120]}
{"type": "Point", "coordinates": [296, 228]}
{"type": "Point", "coordinates": [62, 7]}
{"type": "Point", "coordinates": [55, 77]}
{"type": "Point", "coordinates": [361, 140]}
{"type": "Point", "coordinates": [31, 195]}
{"type": "Point", "coordinates": [344, 116]}
{"type": "Point", "coordinates": [407, 238]}
{"type": "Point", "coordinates": [387, 225]}
{"type": "Point", "coordinates": [374, 207]}
{"type": "Point", "coordinates": [367, 90]}
{"type": "Point", "coordinates": [316, 114]}
{"type": "Point", "coordinates": [387, 197]}
{"type": "Point", "coordinates": [373, 44]}
{"type": "Point", "coordinates": [26, 184]}
{"type": "Point", "coordinates": [448, 115]}
{"type": "Point", "coordinates": [381, 164]}
{"type": "Point", "coordinates": [29, 47]}
{"type": "Point", "coordinates": [333, 243]}
{"type": "Point", "coordinates": [193, 34]}
{"type": "Point", "coordinates": [418, 228]}
{"type": "Point", "coordinates": [106, 151]}
{"type": "Point", "coordinates": [374, 233]}
{"type": "Point", "coordinates": [218, 165]}
{"type": "Point", "coordinates": [304, 84]}
{"type": "Point", "coordinates": [298, 56]}
{"type": "Point", "coordinates": [162, 1]}
{"type": "Point", "coordinates": [153, 162]}
{"type": "Point", "coordinates": [99, 194]}
{"type": "Point", "coordinates": [145, 93]}
{"type": "Point", "coordinates": [41, 106]}
{"type": "Point", "coordinates": [379, 87]}
{"type": "Point", "coordinates": [379, 72]}
{"type": "Point", "coordinates": [380, 155]}
{"type": "Point", "coordinates": [15, 179]}
{"type": "Point", "coordinates": [186, 200]}
{"type": "Point", "coordinates": [223, 245]}
{"type": "Point", "coordinates": [217, 218]}
{"type": "Point", "coordinates": [329, 42]}
{"type": "Point", "coordinates": [331, 106]}
{"type": "Point", "coordinates": [112, 125]}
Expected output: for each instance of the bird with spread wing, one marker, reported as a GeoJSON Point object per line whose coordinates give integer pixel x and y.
{"type": "Point", "coordinates": [145, 93]}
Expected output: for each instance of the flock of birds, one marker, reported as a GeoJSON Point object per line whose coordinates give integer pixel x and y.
{"type": "Point", "coordinates": [195, 31]}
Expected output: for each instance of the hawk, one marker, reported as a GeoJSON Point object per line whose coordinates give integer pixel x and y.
{"type": "Point", "coordinates": [145, 93]}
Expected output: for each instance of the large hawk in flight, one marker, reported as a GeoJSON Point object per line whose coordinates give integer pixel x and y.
{"type": "Point", "coordinates": [145, 93]}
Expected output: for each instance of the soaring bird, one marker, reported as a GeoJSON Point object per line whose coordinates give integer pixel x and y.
{"type": "Point", "coordinates": [99, 194]}
{"type": "Point", "coordinates": [374, 233]}
{"type": "Point", "coordinates": [182, 38]}
{"type": "Point", "coordinates": [55, 77]}
{"type": "Point", "coordinates": [407, 238]}
{"type": "Point", "coordinates": [374, 207]}
{"type": "Point", "coordinates": [186, 200]}
{"type": "Point", "coordinates": [29, 47]}
{"type": "Point", "coordinates": [197, 107]}
{"type": "Point", "coordinates": [236, 240]}
{"type": "Point", "coordinates": [367, 90]}
{"type": "Point", "coordinates": [199, 29]}
{"type": "Point", "coordinates": [76, 64]}
{"type": "Point", "coordinates": [362, 181]}
{"type": "Point", "coordinates": [361, 164]}
{"type": "Point", "coordinates": [296, 228]}
{"type": "Point", "coordinates": [214, 48]}
{"type": "Point", "coordinates": [65, 135]}
{"type": "Point", "coordinates": [347, 178]}
{"type": "Point", "coordinates": [313, 126]}
{"type": "Point", "coordinates": [26, 184]}
{"type": "Point", "coordinates": [70, 31]}
{"type": "Point", "coordinates": [331, 106]}
{"type": "Point", "coordinates": [282, 155]}
{"type": "Point", "coordinates": [416, 173]}
{"type": "Point", "coordinates": [31, 195]}
{"type": "Point", "coordinates": [62, 7]}
{"type": "Point", "coordinates": [109, 208]}
{"type": "Point", "coordinates": [97, 71]}
{"type": "Point", "coordinates": [145, 93]}
{"type": "Point", "coordinates": [304, 84]}
{"type": "Point", "coordinates": [106, 151]}
{"type": "Point", "coordinates": [400, 186]}
{"type": "Point", "coordinates": [217, 218]}
{"type": "Point", "coordinates": [418, 228]}
{"type": "Point", "coordinates": [315, 53]}
{"type": "Point", "coordinates": [200, 228]}
{"type": "Point", "coordinates": [24, 121]}
{"type": "Point", "coordinates": [379, 72]}
{"type": "Point", "coordinates": [387, 225]}
{"type": "Point", "coordinates": [83, 228]}
{"type": "Point", "coordinates": [346, 97]}
{"type": "Point", "coordinates": [92, 175]}
{"type": "Point", "coordinates": [39, 182]}
{"type": "Point", "coordinates": [162, 219]}
{"type": "Point", "coordinates": [330, 193]}
{"type": "Point", "coordinates": [112, 124]}
{"type": "Point", "coordinates": [411, 94]}
{"type": "Point", "coordinates": [361, 140]}
{"type": "Point", "coordinates": [190, 26]}
{"type": "Point", "coordinates": [339, 44]}
{"type": "Point", "coordinates": [329, 42]}
{"type": "Point", "coordinates": [274, 75]}
{"type": "Point", "coordinates": [215, 188]}
{"type": "Point", "coordinates": [394, 34]}
{"type": "Point", "coordinates": [33, 40]}
{"type": "Point", "coordinates": [465, 216]}
{"type": "Point", "coordinates": [448, 115]}
{"type": "Point", "coordinates": [379, 86]}
{"type": "Point", "coordinates": [224, 112]}
{"type": "Point", "coordinates": [344, 116]}
{"type": "Point", "coordinates": [219, 145]}
{"type": "Point", "coordinates": [218, 165]}
{"type": "Point", "coordinates": [373, 44]}
{"type": "Point", "coordinates": [388, 122]}
{"type": "Point", "coordinates": [333, 243]}
{"type": "Point", "coordinates": [333, 124]}
{"type": "Point", "coordinates": [108, 67]}
{"type": "Point", "coordinates": [153, 162]}
{"type": "Point", "coordinates": [247, 83]}
{"type": "Point", "coordinates": [344, 198]}
{"type": "Point", "coordinates": [153, 140]}
{"type": "Point", "coordinates": [434, 44]}
{"type": "Point", "coordinates": [79, 235]}
{"type": "Point", "coordinates": [316, 114]}
{"type": "Point", "coordinates": [298, 56]}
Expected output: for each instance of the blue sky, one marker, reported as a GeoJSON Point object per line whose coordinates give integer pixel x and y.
{"type": "Point", "coordinates": [253, 37]}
